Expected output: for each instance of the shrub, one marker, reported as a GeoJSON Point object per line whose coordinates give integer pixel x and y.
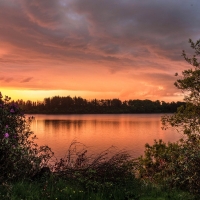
{"type": "Point", "coordinates": [177, 164]}
{"type": "Point", "coordinates": [96, 171]}
{"type": "Point", "coordinates": [20, 156]}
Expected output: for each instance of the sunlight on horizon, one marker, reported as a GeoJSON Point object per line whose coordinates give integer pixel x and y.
{"type": "Point", "coordinates": [39, 95]}
{"type": "Point", "coordinates": [33, 95]}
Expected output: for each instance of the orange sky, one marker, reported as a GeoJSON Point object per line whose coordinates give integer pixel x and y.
{"type": "Point", "coordinates": [95, 49]}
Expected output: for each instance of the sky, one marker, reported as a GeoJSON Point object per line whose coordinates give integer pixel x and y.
{"type": "Point", "coordinates": [102, 49]}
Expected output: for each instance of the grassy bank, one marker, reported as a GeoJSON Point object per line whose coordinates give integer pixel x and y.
{"type": "Point", "coordinates": [57, 188]}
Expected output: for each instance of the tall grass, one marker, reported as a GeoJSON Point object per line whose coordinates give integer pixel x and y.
{"type": "Point", "coordinates": [56, 188]}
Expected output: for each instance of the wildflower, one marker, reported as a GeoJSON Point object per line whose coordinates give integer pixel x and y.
{"type": "Point", "coordinates": [6, 135]}
{"type": "Point", "coordinates": [6, 126]}
{"type": "Point", "coordinates": [12, 110]}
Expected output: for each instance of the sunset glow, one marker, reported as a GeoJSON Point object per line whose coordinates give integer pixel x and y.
{"type": "Point", "coordinates": [95, 49]}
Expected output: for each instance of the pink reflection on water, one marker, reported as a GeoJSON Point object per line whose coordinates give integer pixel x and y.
{"type": "Point", "coordinates": [99, 132]}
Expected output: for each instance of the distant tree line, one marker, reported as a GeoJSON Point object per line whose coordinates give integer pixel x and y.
{"type": "Point", "coordinates": [78, 105]}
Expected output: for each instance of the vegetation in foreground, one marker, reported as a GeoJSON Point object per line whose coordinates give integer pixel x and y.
{"type": "Point", "coordinates": [163, 172]}
{"type": "Point", "coordinates": [56, 188]}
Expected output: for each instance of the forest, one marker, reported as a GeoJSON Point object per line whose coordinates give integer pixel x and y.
{"type": "Point", "coordinates": [78, 105]}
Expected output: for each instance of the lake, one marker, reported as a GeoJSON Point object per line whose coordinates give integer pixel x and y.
{"type": "Point", "coordinates": [100, 131]}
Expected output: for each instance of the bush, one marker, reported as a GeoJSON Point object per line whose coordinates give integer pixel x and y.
{"type": "Point", "coordinates": [177, 164]}
{"type": "Point", "coordinates": [172, 165]}
{"type": "Point", "coordinates": [96, 171]}
{"type": "Point", "coordinates": [20, 156]}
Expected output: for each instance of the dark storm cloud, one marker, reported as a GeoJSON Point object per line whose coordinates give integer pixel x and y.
{"type": "Point", "coordinates": [144, 37]}
{"type": "Point", "coordinates": [162, 25]}
{"type": "Point", "coordinates": [44, 13]}
{"type": "Point", "coordinates": [100, 27]}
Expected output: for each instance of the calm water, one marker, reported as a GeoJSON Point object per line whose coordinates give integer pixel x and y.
{"type": "Point", "coordinates": [99, 132]}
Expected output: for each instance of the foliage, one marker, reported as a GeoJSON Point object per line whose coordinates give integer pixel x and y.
{"type": "Point", "coordinates": [95, 172]}
{"type": "Point", "coordinates": [58, 188]}
{"type": "Point", "coordinates": [69, 105]}
{"type": "Point", "coordinates": [172, 164]}
{"type": "Point", "coordinates": [20, 156]}
{"type": "Point", "coordinates": [177, 164]}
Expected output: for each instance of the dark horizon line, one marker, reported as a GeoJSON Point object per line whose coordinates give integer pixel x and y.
{"type": "Point", "coordinates": [97, 99]}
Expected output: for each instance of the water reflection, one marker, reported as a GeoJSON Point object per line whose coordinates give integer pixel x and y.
{"type": "Point", "coordinates": [99, 132]}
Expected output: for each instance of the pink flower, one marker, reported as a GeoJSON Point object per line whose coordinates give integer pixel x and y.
{"type": "Point", "coordinates": [6, 126]}
{"type": "Point", "coordinates": [12, 110]}
{"type": "Point", "coordinates": [6, 135]}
